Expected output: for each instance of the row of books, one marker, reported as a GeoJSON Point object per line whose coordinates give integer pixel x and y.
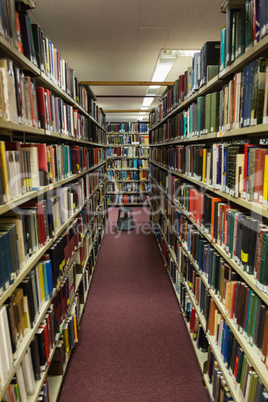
{"type": "Point", "coordinates": [127, 187]}
{"type": "Point", "coordinates": [127, 151]}
{"type": "Point", "coordinates": [237, 169]}
{"type": "Point", "coordinates": [246, 24]}
{"type": "Point", "coordinates": [127, 175]}
{"type": "Point", "coordinates": [241, 303]}
{"type": "Point", "coordinates": [203, 68]}
{"type": "Point", "coordinates": [127, 199]}
{"type": "Point", "coordinates": [215, 325]}
{"type": "Point", "coordinates": [127, 139]}
{"type": "Point", "coordinates": [127, 163]}
{"type": "Point", "coordinates": [22, 308]}
{"type": "Point", "coordinates": [242, 102]}
{"type": "Point", "coordinates": [127, 127]}
{"type": "Point", "coordinates": [26, 229]}
{"type": "Point", "coordinates": [30, 41]}
{"type": "Point", "coordinates": [30, 105]}
{"type": "Point", "coordinates": [231, 228]}
{"type": "Point", "coordinates": [27, 167]}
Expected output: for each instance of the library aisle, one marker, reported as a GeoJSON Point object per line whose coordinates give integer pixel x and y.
{"type": "Point", "coordinates": [133, 344]}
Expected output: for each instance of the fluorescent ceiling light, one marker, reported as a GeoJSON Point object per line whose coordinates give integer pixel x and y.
{"type": "Point", "coordinates": [144, 107]}
{"type": "Point", "coordinates": [187, 53]}
{"type": "Point", "coordinates": [162, 71]}
{"type": "Point", "coordinates": [147, 100]}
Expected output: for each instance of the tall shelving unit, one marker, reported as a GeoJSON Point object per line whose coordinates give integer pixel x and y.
{"type": "Point", "coordinates": [127, 168]}
{"type": "Point", "coordinates": [175, 241]}
{"type": "Point", "coordinates": [93, 205]}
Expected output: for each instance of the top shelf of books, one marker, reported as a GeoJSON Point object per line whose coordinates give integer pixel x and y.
{"type": "Point", "coordinates": [31, 51]}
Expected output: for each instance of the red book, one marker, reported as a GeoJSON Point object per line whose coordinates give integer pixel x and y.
{"type": "Point", "coordinates": [39, 205]}
{"type": "Point", "coordinates": [44, 326]}
{"type": "Point", "coordinates": [40, 93]}
{"type": "Point", "coordinates": [259, 173]}
{"type": "Point", "coordinates": [192, 320]}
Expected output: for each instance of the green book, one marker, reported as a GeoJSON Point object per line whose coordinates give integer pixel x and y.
{"type": "Point", "coordinates": [198, 116]}
{"type": "Point", "coordinates": [241, 33]}
{"type": "Point", "coordinates": [263, 257]}
{"type": "Point", "coordinates": [242, 378]}
{"type": "Point", "coordinates": [208, 113]}
{"type": "Point", "coordinates": [214, 113]}
{"type": "Point", "coordinates": [212, 71]}
{"type": "Point", "coordinates": [253, 301]}
{"type": "Point", "coordinates": [255, 313]}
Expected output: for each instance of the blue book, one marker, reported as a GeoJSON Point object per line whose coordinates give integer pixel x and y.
{"type": "Point", "coordinates": [263, 17]}
{"type": "Point", "coordinates": [4, 271]}
{"type": "Point", "coordinates": [223, 49]}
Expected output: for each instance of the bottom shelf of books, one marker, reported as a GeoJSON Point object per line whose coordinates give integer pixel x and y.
{"type": "Point", "coordinates": [39, 375]}
{"type": "Point", "coordinates": [231, 370]}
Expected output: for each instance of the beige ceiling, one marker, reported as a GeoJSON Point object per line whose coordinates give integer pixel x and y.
{"type": "Point", "coordinates": [119, 40]}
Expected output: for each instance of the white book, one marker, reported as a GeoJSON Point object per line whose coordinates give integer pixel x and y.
{"type": "Point", "coordinates": [28, 373]}
{"type": "Point", "coordinates": [5, 362]}
{"type": "Point", "coordinates": [6, 69]}
{"type": "Point", "coordinates": [6, 338]}
{"type": "Point", "coordinates": [21, 384]}
{"type": "Point", "coordinates": [34, 166]}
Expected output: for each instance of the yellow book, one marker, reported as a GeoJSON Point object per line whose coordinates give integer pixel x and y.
{"type": "Point", "coordinates": [265, 181]}
{"type": "Point", "coordinates": [204, 165]}
{"type": "Point", "coordinates": [41, 281]}
{"type": "Point", "coordinates": [66, 339]}
{"type": "Point", "coordinates": [4, 170]}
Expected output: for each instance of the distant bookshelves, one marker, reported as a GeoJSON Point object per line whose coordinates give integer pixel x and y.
{"type": "Point", "coordinates": [209, 200]}
{"type": "Point", "coordinates": [53, 206]}
{"type": "Point", "coordinates": [127, 168]}
{"type": "Point", "coordinates": [127, 127]}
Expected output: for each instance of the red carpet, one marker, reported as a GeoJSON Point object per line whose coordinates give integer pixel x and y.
{"type": "Point", "coordinates": [133, 344]}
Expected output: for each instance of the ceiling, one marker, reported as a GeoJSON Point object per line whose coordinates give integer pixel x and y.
{"type": "Point", "coordinates": [120, 40]}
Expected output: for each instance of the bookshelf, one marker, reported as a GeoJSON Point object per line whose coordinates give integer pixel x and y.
{"type": "Point", "coordinates": [53, 211]}
{"type": "Point", "coordinates": [127, 167]}
{"type": "Point", "coordinates": [205, 266]}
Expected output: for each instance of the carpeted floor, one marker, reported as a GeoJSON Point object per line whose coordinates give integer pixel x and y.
{"type": "Point", "coordinates": [133, 345]}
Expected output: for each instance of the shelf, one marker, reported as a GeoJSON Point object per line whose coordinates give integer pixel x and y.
{"type": "Point", "coordinates": [33, 194]}
{"type": "Point", "coordinates": [127, 168]}
{"type": "Point", "coordinates": [249, 279]}
{"type": "Point", "coordinates": [245, 59]}
{"type": "Point", "coordinates": [127, 145]}
{"type": "Point", "coordinates": [29, 336]}
{"type": "Point", "coordinates": [251, 206]}
{"type": "Point", "coordinates": [128, 203]}
{"type": "Point", "coordinates": [127, 192]}
{"type": "Point", "coordinates": [253, 357]}
{"type": "Point", "coordinates": [127, 157]}
{"type": "Point", "coordinates": [17, 57]}
{"type": "Point", "coordinates": [207, 88]}
{"type": "Point", "coordinates": [29, 264]}
{"type": "Point", "coordinates": [257, 130]}
{"type": "Point", "coordinates": [127, 133]}
{"type": "Point", "coordinates": [39, 383]}
{"type": "Point", "coordinates": [128, 181]}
